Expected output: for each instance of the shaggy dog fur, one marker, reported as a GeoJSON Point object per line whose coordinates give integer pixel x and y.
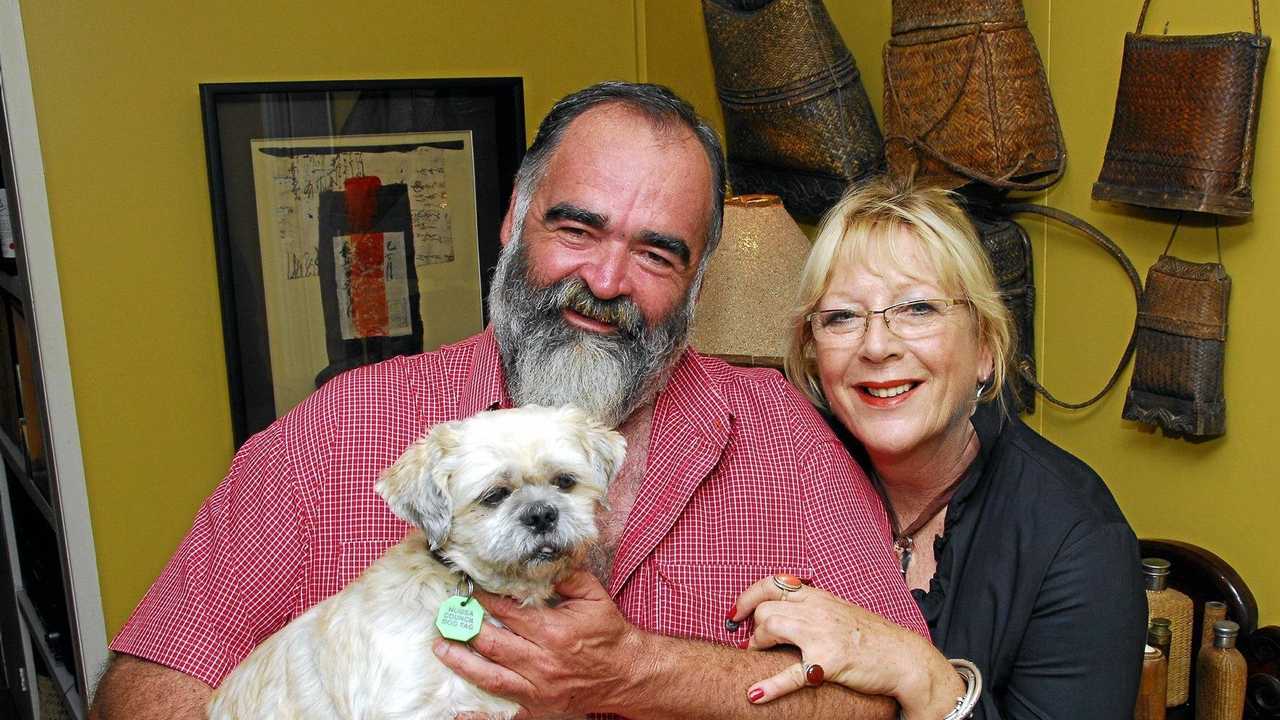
{"type": "Point", "coordinates": [507, 497]}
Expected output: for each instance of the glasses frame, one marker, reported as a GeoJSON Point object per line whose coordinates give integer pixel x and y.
{"type": "Point", "coordinates": [866, 316]}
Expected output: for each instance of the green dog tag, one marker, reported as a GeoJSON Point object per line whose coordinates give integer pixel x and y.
{"type": "Point", "coordinates": [459, 618]}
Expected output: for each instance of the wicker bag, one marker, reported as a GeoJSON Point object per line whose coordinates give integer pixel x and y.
{"type": "Point", "coordinates": [1182, 333]}
{"type": "Point", "coordinates": [1009, 250]}
{"type": "Point", "coordinates": [966, 98]}
{"type": "Point", "coordinates": [798, 123]}
{"type": "Point", "coordinates": [1186, 121]}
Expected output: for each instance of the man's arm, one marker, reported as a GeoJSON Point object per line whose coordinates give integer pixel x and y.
{"type": "Point", "coordinates": [583, 656]}
{"type": "Point", "coordinates": [137, 689]}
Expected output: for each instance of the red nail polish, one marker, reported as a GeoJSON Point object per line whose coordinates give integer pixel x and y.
{"type": "Point", "coordinates": [733, 610]}
{"type": "Point", "coordinates": [743, 643]}
{"type": "Point", "coordinates": [755, 694]}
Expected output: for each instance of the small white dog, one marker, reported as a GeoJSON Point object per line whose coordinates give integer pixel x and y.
{"type": "Point", "coordinates": [507, 498]}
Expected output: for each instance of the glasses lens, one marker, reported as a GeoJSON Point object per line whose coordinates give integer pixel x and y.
{"type": "Point", "coordinates": [837, 322]}
{"type": "Point", "coordinates": [916, 319]}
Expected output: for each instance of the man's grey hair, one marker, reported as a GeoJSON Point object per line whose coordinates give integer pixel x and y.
{"type": "Point", "coordinates": [659, 105]}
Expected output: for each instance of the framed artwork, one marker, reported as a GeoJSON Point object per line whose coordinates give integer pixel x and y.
{"type": "Point", "coordinates": [353, 222]}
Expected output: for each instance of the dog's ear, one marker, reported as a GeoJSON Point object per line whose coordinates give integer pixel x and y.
{"type": "Point", "coordinates": [605, 448]}
{"type": "Point", "coordinates": [417, 485]}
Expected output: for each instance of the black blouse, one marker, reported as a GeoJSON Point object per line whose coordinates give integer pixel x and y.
{"type": "Point", "coordinates": [1038, 581]}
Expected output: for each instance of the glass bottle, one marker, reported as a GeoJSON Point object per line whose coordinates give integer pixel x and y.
{"type": "Point", "coordinates": [1213, 612]}
{"type": "Point", "coordinates": [1164, 601]}
{"type": "Point", "coordinates": [1152, 691]}
{"type": "Point", "coordinates": [1160, 637]}
{"type": "Point", "coordinates": [1220, 676]}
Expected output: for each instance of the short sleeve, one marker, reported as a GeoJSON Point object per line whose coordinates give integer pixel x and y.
{"type": "Point", "coordinates": [1081, 656]}
{"type": "Point", "coordinates": [236, 577]}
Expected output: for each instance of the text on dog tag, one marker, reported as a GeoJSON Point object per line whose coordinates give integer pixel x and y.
{"type": "Point", "coordinates": [459, 618]}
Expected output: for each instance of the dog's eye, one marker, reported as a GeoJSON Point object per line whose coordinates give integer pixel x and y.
{"type": "Point", "coordinates": [564, 482]}
{"type": "Point", "coordinates": [494, 497]}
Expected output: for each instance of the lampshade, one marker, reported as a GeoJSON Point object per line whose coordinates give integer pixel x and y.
{"type": "Point", "coordinates": [751, 283]}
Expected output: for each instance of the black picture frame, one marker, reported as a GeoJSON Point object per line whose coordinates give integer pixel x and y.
{"type": "Point", "coordinates": [314, 127]}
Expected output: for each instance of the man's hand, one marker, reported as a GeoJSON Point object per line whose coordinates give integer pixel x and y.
{"type": "Point", "coordinates": [575, 658]}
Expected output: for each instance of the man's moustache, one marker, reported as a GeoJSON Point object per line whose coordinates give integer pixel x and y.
{"type": "Point", "coordinates": [620, 312]}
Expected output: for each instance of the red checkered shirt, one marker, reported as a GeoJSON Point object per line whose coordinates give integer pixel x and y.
{"type": "Point", "coordinates": [743, 480]}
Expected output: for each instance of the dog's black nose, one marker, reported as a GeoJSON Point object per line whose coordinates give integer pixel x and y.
{"type": "Point", "coordinates": [540, 517]}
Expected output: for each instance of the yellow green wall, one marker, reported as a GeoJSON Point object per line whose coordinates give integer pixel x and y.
{"type": "Point", "coordinates": [118, 111]}
{"type": "Point", "coordinates": [1224, 494]}
{"type": "Point", "coordinates": [119, 118]}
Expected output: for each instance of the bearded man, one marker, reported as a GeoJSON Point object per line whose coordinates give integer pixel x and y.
{"type": "Point", "coordinates": [729, 474]}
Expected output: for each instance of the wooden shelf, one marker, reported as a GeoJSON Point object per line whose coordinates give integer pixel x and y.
{"type": "Point", "coordinates": [62, 677]}
{"type": "Point", "coordinates": [17, 462]}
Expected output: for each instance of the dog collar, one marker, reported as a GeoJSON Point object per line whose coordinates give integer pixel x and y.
{"type": "Point", "coordinates": [464, 582]}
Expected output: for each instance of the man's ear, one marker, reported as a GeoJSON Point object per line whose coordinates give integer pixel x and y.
{"type": "Point", "coordinates": [504, 233]}
{"type": "Point", "coordinates": [416, 486]}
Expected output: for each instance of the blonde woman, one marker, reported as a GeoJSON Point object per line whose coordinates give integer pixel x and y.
{"type": "Point", "coordinates": [1016, 552]}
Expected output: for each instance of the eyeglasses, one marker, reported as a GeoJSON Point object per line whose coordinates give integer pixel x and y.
{"type": "Point", "coordinates": [908, 320]}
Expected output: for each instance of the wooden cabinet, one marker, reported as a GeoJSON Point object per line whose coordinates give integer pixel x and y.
{"type": "Point", "coordinates": [52, 639]}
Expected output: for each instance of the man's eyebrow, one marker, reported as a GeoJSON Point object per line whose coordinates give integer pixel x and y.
{"type": "Point", "coordinates": [565, 211]}
{"type": "Point", "coordinates": [670, 243]}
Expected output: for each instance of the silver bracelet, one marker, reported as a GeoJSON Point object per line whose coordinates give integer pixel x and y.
{"type": "Point", "coordinates": [966, 703]}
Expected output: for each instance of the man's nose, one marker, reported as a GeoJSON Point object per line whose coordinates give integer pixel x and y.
{"type": "Point", "coordinates": [606, 272]}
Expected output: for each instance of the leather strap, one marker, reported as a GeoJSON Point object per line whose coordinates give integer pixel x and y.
{"type": "Point", "coordinates": [1257, 18]}
{"type": "Point", "coordinates": [1114, 250]}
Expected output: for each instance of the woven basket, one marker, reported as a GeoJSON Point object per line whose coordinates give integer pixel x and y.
{"type": "Point", "coordinates": [798, 122]}
{"type": "Point", "coordinates": [966, 98]}
{"type": "Point", "coordinates": [1186, 121]}
{"type": "Point", "coordinates": [1009, 250]}
{"type": "Point", "coordinates": [1181, 338]}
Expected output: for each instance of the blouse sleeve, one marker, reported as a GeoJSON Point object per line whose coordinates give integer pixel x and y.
{"type": "Point", "coordinates": [1081, 656]}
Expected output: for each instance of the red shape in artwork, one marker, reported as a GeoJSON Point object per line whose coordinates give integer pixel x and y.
{"type": "Point", "coordinates": [365, 256]}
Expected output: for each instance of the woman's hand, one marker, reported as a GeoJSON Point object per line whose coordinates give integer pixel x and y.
{"type": "Point", "coordinates": [853, 646]}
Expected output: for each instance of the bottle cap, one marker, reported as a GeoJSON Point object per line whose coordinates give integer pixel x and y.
{"type": "Point", "coordinates": [1156, 572]}
{"type": "Point", "coordinates": [1162, 622]}
{"type": "Point", "coordinates": [1225, 629]}
{"type": "Point", "coordinates": [1159, 634]}
{"type": "Point", "coordinates": [1155, 566]}
{"type": "Point", "coordinates": [1215, 605]}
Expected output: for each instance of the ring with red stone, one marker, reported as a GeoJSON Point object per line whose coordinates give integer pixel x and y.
{"type": "Point", "coordinates": [813, 674]}
{"type": "Point", "coordinates": [788, 583]}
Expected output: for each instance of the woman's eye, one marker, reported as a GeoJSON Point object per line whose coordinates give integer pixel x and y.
{"type": "Point", "coordinates": [494, 497]}
{"type": "Point", "coordinates": [564, 482]}
{"type": "Point", "coordinates": [839, 318]}
{"type": "Point", "coordinates": [920, 309]}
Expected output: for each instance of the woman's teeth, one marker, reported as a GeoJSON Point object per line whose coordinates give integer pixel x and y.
{"type": "Point", "coordinates": [888, 392]}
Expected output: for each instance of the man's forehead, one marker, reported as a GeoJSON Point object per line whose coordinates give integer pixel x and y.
{"type": "Point", "coordinates": [608, 152]}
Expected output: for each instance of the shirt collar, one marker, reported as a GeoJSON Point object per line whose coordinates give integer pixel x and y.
{"type": "Point", "coordinates": [486, 386]}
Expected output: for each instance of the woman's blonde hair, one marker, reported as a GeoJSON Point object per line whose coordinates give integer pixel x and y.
{"type": "Point", "coordinates": [865, 226]}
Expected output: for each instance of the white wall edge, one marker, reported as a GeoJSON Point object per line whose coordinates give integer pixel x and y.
{"type": "Point", "coordinates": [47, 319]}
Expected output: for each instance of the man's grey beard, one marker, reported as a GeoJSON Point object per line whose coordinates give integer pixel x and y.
{"type": "Point", "coordinates": [550, 362]}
